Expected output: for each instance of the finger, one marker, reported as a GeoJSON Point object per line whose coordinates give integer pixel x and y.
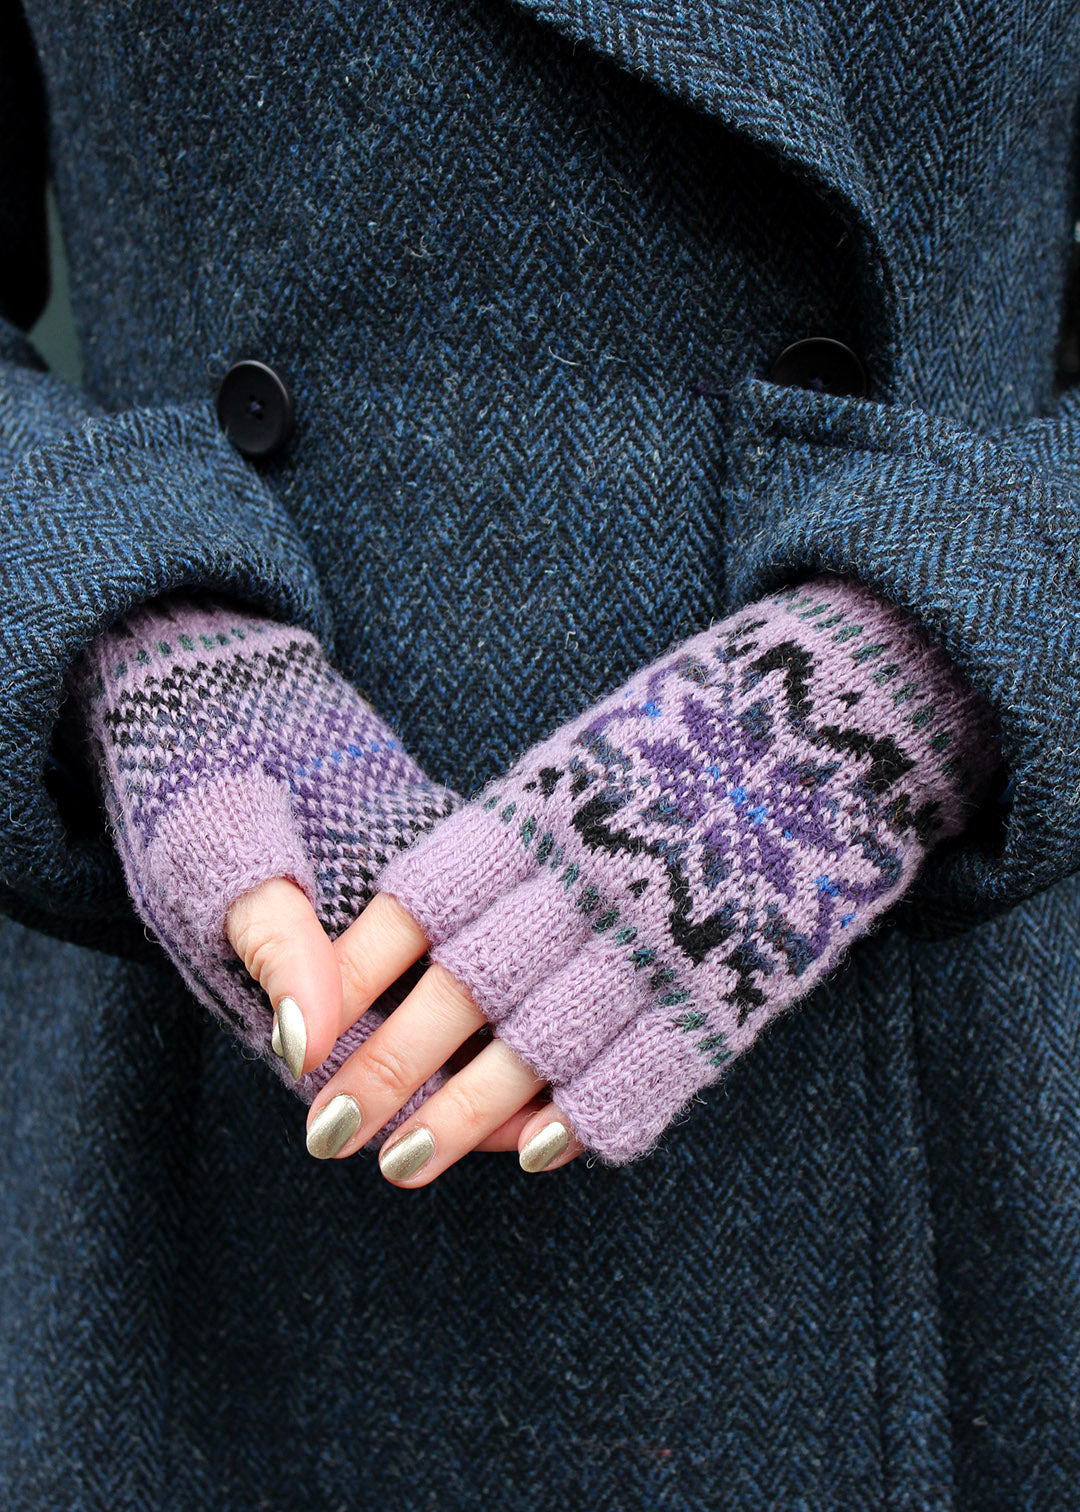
{"type": "Point", "coordinates": [414, 1041]}
{"type": "Point", "coordinates": [379, 945]}
{"type": "Point", "coordinates": [276, 933]}
{"type": "Point", "coordinates": [547, 1142]}
{"type": "Point", "coordinates": [506, 1136]}
{"type": "Point", "coordinates": [469, 1107]}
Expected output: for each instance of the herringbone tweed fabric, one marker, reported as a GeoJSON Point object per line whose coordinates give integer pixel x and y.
{"type": "Point", "coordinates": [526, 269]}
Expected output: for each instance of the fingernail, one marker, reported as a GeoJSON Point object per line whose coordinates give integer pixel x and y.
{"type": "Point", "coordinates": [292, 1034]}
{"type": "Point", "coordinates": [543, 1147]}
{"type": "Point", "coordinates": [406, 1155]}
{"type": "Point", "coordinates": [275, 1038]}
{"type": "Point", "coordinates": [334, 1127]}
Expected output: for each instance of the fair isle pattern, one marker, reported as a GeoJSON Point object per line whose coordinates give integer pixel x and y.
{"type": "Point", "coordinates": [231, 751]}
{"type": "Point", "coordinates": [648, 887]}
{"type": "Point", "coordinates": [258, 693]}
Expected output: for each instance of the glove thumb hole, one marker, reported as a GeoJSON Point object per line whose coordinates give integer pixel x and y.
{"type": "Point", "coordinates": [228, 840]}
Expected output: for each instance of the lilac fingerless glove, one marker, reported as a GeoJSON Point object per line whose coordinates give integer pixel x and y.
{"type": "Point", "coordinates": [643, 891]}
{"type": "Point", "coordinates": [229, 752]}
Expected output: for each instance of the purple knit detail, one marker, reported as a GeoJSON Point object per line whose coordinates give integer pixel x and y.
{"type": "Point", "coordinates": [231, 752]}
{"type": "Point", "coordinates": [647, 888]}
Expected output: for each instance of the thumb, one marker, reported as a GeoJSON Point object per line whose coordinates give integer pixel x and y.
{"type": "Point", "coordinates": [276, 933]}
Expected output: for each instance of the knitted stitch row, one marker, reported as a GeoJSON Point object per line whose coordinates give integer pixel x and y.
{"type": "Point", "coordinates": [647, 888]}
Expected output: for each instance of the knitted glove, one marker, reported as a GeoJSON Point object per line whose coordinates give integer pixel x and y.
{"type": "Point", "coordinates": [229, 752]}
{"type": "Point", "coordinates": [643, 891]}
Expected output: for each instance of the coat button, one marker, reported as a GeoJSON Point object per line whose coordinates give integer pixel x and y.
{"type": "Point", "coordinates": [819, 363]}
{"type": "Point", "coordinates": [255, 409]}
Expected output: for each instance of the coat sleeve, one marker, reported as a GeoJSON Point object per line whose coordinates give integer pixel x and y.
{"type": "Point", "coordinates": [978, 536]}
{"type": "Point", "coordinates": [98, 512]}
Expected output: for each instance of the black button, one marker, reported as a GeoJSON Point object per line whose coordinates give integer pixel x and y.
{"type": "Point", "coordinates": [255, 409]}
{"type": "Point", "coordinates": [819, 363]}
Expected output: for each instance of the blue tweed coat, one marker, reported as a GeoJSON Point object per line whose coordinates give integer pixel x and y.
{"type": "Point", "coordinates": [526, 268]}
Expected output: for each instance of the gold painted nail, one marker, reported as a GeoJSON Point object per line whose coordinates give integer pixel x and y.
{"type": "Point", "coordinates": [293, 1035]}
{"type": "Point", "coordinates": [544, 1146]}
{"type": "Point", "coordinates": [334, 1127]}
{"type": "Point", "coordinates": [275, 1038]}
{"type": "Point", "coordinates": [406, 1155]}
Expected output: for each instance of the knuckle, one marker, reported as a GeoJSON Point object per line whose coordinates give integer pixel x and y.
{"type": "Point", "coordinates": [388, 1070]}
{"type": "Point", "coordinates": [259, 947]}
{"type": "Point", "coordinates": [355, 980]}
{"type": "Point", "coordinates": [467, 1110]}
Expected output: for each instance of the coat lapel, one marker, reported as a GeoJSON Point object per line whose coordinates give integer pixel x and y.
{"type": "Point", "coordinates": [763, 69]}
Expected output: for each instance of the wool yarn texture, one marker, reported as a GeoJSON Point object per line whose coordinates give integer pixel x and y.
{"type": "Point", "coordinates": [230, 751]}
{"type": "Point", "coordinates": [650, 886]}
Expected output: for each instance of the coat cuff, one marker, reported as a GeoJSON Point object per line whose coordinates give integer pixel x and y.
{"type": "Point", "coordinates": [118, 510]}
{"type": "Point", "coordinates": [982, 546]}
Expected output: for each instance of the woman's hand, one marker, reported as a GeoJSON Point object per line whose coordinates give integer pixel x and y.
{"type": "Point", "coordinates": [652, 884]}
{"type": "Point", "coordinates": [319, 987]}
